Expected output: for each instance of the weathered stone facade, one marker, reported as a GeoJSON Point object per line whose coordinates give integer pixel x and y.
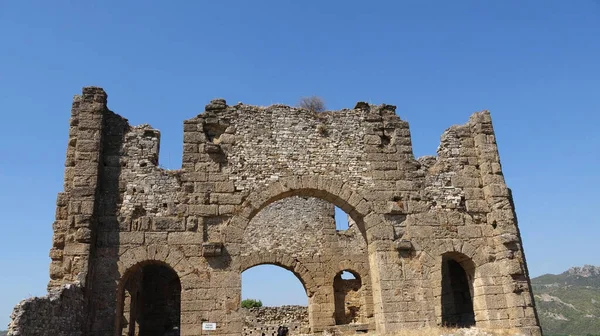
{"type": "Point", "coordinates": [432, 241]}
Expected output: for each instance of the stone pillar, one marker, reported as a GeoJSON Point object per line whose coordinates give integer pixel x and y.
{"type": "Point", "coordinates": [74, 226]}
{"type": "Point", "coordinates": [517, 306]}
{"type": "Point", "coordinates": [321, 309]}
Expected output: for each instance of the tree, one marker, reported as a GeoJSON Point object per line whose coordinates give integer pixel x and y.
{"type": "Point", "coordinates": [313, 103]}
{"type": "Point", "coordinates": [251, 303]}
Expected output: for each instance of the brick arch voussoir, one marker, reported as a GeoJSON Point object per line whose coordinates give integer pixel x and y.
{"type": "Point", "coordinates": [332, 190]}
{"type": "Point", "coordinates": [163, 254]}
{"type": "Point", "coordinates": [427, 259]}
{"type": "Point", "coordinates": [377, 228]}
{"type": "Point", "coordinates": [131, 258]}
{"type": "Point", "coordinates": [437, 267]}
{"type": "Point", "coordinates": [361, 270]}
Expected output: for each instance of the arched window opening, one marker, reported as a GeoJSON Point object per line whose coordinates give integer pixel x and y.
{"type": "Point", "coordinates": [151, 302]}
{"type": "Point", "coordinates": [457, 291]}
{"type": "Point", "coordinates": [283, 297]}
{"type": "Point", "coordinates": [348, 296]}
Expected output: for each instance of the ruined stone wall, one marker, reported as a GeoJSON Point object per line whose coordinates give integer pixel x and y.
{"type": "Point", "coordinates": [263, 144]}
{"type": "Point", "coordinates": [463, 210]}
{"type": "Point", "coordinates": [265, 320]}
{"type": "Point", "coordinates": [60, 313]}
{"type": "Point", "coordinates": [244, 195]}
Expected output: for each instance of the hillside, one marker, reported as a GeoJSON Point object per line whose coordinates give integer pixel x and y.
{"type": "Point", "coordinates": [569, 303]}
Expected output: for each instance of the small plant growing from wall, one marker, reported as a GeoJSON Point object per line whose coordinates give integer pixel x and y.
{"type": "Point", "coordinates": [322, 129]}
{"type": "Point", "coordinates": [313, 103]}
{"type": "Point", "coordinates": [251, 303]}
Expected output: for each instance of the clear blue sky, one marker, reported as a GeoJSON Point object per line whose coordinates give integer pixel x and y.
{"type": "Point", "coordinates": [534, 64]}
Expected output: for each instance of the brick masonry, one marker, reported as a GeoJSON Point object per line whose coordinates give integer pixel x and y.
{"type": "Point", "coordinates": [257, 186]}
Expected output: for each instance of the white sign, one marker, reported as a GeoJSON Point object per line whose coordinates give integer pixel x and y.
{"type": "Point", "coordinates": [209, 326]}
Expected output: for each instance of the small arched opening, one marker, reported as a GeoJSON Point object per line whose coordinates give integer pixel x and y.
{"type": "Point", "coordinates": [150, 301]}
{"type": "Point", "coordinates": [348, 297]}
{"type": "Point", "coordinates": [457, 290]}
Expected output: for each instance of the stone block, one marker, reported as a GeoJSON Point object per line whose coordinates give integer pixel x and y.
{"type": "Point", "coordinates": [83, 235]}
{"type": "Point", "coordinates": [469, 231]}
{"type": "Point", "coordinates": [495, 190]}
{"type": "Point", "coordinates": [155, 237]}
{"type": "Point", "coordinates": [185, 238]}
{"type": "Point", "coordinates": [404, 245]}
{"type": "Point", "coordinates": [58, 239]}
{"type": "Point", "coordinates": [203, 210]}
{"type": "Point", "coordinates": [55, 254]}
{"type": "Point", "coordinates": [226, 198]}
{"type": "Point", "coordinates": [168, 224]}
{"type": "Point", "coordinates": [193, 137]}
{"type": "Point", "coordinates": [489, 179]}
{"type": "Point", "coordinates": [224, 187]}
{"type": "Point", "coordinates": [84, 145]}
{"type": "Point", "coordinates": [212, 249]}
{"type": "Point", "coordinates": [56, 269]}
{"type": "Point", "coordinates": [478, 206]}
{"type": "Point", "coordinates": [135, 238]}
{"type": "Point", "coordinates": [465, 182]}
{"type": "Point", "coordinates": [76, 249]}
{"type": "Point", "coordinates": [508, 238]}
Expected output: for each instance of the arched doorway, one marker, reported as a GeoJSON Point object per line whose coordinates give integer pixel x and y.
{"type": "Point", "coordinates": [150, 301]}
{"type": "Point", "coordinates": [283, 301]}
{"type": "Point", "coordinates": [457, 290]}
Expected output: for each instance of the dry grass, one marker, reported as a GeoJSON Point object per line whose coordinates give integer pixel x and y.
{"type": "Point", "coordinates": [440, 331]}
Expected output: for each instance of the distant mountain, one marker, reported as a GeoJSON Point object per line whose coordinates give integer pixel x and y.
{"type": "Point", "coordinates": [569, 303]}
{"type": "Point", "coordinates": [3, 332]}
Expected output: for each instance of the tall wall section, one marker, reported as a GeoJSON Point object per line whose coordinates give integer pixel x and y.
{"type": "Point", "coordinates": [120, 212]}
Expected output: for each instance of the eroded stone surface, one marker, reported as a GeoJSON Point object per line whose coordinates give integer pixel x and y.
{"type": "Point", "coordinates": [257, 186]}
{"type": "Point", "coordinates": [61, 313]}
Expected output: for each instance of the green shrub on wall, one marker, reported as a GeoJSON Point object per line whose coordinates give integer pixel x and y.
{"type": "Point", "coordinates": [251, 303]}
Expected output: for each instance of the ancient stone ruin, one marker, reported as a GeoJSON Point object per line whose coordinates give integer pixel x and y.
{"type": "Point", "coordinates": [139, 250]}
